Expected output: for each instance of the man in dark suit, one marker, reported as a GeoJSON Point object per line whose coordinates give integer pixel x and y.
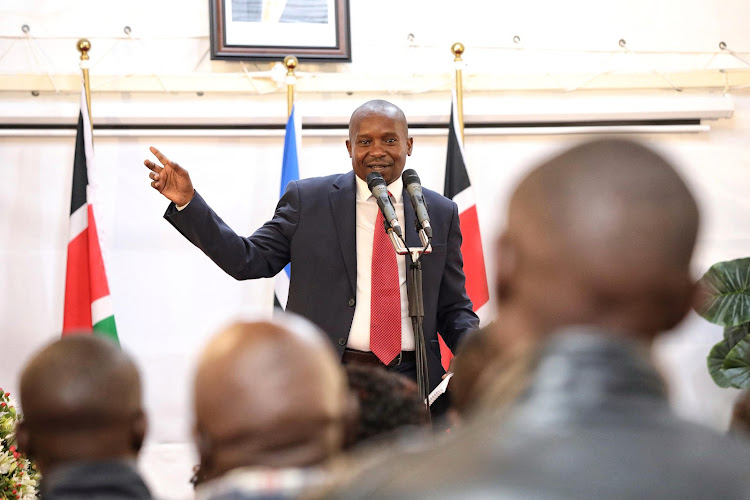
{"type": "Point", "coordinates": [83, 420]}
{"type": "Point", "coordinates": [326, 227]}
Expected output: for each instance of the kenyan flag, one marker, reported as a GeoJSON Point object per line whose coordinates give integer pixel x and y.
{"type": "Point", "coordinates": [458, 188]}
{"type": "Point", "coordinates": [88, 306]}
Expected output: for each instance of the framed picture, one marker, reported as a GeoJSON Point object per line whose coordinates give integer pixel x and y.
{"type": "Point", "coordinates": [251, 30]}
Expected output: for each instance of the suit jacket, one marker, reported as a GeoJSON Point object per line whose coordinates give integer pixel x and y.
{"type": "Point", "coordinates": [314, 229]}
{"type": "Point", "coordinates": [106, 480]}
{"type": "Point", "coordinates": [594, 423]}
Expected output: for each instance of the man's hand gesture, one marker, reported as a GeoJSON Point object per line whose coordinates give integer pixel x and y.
{"type": "Point", "coordinates": [170, 179]}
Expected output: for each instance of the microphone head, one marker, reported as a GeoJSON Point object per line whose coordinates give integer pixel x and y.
{"type": "Point", "coordinates": [409, 176]}
{"type": "Point", "coordinates": [374, 179]}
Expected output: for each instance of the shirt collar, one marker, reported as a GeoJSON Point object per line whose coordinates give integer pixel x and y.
{"type": "Point", "coordinates": [396, 188]}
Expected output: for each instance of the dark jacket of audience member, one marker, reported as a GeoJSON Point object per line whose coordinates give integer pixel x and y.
{"type": "Point", "coordinates": [83, 420]}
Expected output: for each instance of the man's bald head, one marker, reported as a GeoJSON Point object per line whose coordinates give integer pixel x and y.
{"type": "Point", "coordinates": [268, 393]}
{"type": "Point", "coordinates": [81, 398]}
{"type": "Point", "coordinates": [602, 233]}
{"type": "Point", "coordinates": [378, 107]}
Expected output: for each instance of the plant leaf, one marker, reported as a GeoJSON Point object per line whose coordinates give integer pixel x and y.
{"type": "Point", "coordinates": [715, 361]}
{"type": "Point", "coordinates": [736, 366]}
{"type": "Point", "coordinates": [724, 293]}
{"type": "Point", "coordinates": [733, 334]}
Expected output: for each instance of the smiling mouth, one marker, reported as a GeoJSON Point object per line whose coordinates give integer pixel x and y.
{"type": "Point", "coordinates": [378, 166]}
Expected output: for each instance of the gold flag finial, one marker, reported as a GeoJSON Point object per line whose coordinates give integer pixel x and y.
{"type": "Point", "coordinates": [83, 47]}
{"type": "Point", "coordinates": [290, 62]}
{"type": "Point", "coordinates": [458, 49]}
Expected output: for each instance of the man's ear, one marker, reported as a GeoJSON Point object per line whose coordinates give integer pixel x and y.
{"type": "Point", "coordinates": [138, 431]}
{"type": "Point", "coordinates": [349, 147]}
{"type": "Point", "coordinates": [685, 299]}
{"type": "Point", "coordinates": [205, 452]}
{"type": "Point", "coordinates": [506, 262]}
{"type": "Point", "coordinates": [24, 439]}
{"type": "Point", "coordinates": [409, 145]}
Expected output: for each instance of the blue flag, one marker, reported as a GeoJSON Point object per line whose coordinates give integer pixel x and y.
{"type": "Point", "coordinates": [289, 172]}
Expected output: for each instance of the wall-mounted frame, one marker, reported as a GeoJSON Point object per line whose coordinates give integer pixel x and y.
{"type": "Point", "coordinates": [251, 30]}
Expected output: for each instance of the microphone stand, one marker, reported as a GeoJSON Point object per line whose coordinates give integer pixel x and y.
{"type": "Point", "coordinates": [416, 304]}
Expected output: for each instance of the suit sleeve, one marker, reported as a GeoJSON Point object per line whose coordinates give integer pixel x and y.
{"type": "Point", "coordinates": [261, 255]}
{"type": "Point", "coordinates": [455, 315]}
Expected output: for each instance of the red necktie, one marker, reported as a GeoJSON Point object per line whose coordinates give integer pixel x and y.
{"type": "Point", "coordinates": [385, 298]}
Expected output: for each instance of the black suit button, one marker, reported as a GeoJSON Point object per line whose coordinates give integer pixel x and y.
{"type": "Point", "coordinates": [352, 302]}
{"type": "Point", "coordinates": [342, 341]}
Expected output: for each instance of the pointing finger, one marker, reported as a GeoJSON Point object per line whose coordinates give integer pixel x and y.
{"type": "Point", "coordinates": [163, 159]}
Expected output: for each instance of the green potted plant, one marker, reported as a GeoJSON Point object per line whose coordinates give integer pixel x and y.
{"type": "Point", "coordinates": [724, 298]}
{"type": "Point", "coordinates": [19, 478]}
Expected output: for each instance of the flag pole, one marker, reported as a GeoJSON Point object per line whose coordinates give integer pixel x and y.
{"type": "Point", "coordinates": [458, 49]}
{"type": "Point", "coordinates": [289, 171]}
{"type": "Point", "coordinates": [290, 62]}
{"type": "Point", "coordinates": [83, 47]}
{"type": "Point", "coordinates": [88, 303]}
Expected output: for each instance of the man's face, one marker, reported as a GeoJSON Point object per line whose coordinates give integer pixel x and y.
{"type": "Point", "coordinates": [378, 142]}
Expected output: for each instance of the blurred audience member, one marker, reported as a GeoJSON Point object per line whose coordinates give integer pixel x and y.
{"type": "Point", "coordinates": [388, 403]}
{"type": "Point", "coordinates": [475, 354]}
{"type": "Point", "coordinates": [740, 423]}
{"type": "Point", "coordinates": [271, 402]}
{"type": "Point", "coordinates": [592, 266]}
{"type": "Point", "coordinates": [483, 376]}
{"type": "Point", "coordinates": [83, 420]}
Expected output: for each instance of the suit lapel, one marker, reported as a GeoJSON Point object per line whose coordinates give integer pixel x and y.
{"type": "Point", "coordinates": [343, 207]}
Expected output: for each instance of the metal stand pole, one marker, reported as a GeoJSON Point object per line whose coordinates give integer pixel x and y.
{"type": "Point", "coordinates": [416, 304]}
{"type": "Point", "coordinates": [416, 311]}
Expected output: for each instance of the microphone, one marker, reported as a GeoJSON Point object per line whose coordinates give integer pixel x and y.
{"type": "Point", "coordinates": [379, 190]}
{"type": "Point", "coordinates": [414, 189]}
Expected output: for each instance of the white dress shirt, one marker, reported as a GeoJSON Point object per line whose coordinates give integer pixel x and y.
{"type": "Point", "coordinates": [367, 213]}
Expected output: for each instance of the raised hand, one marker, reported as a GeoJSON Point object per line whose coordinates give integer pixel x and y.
{"type": "Point", "coordinates": [170, 179]}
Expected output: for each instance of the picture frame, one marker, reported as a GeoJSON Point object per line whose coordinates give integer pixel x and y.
{"type": "Point", "coordinates": [261, 30]}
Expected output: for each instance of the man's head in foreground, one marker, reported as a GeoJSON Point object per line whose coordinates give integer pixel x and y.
{"type": "Point", "coordinates": [81, 398]}
{"type": "Point", "coordinates": [268, 394]}
{"type": "Point", "coordinates": [601, 234]}
{"type": "Point", "coordinates": [388, 402]}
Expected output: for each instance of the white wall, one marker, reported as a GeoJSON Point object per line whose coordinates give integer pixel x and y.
{"type": "Point", "coordinates": [169, 298]}
{"type": "Point", "coordinates": [562, 45]}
